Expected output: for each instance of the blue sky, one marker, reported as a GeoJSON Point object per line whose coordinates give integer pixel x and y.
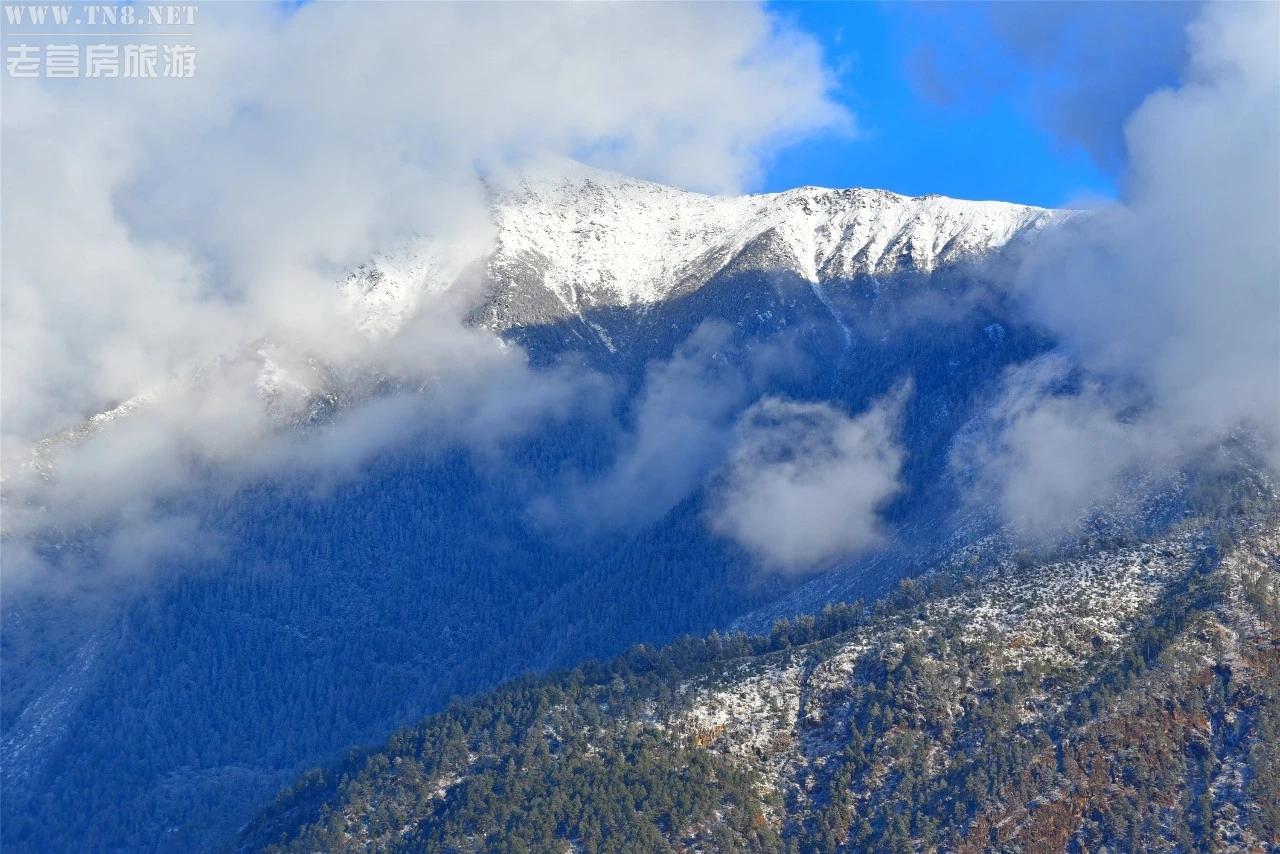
{"type": "Point", "coordinates": [1019, 101]}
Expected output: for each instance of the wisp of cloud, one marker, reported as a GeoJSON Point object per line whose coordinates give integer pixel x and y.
{"type": "Point", "coordinates": [805, 483]}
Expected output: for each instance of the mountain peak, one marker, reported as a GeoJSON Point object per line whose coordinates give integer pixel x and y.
{"type": "Point", "coordinates": [597, 238]}
{"type": "Point", "coordinates": [584, 238]}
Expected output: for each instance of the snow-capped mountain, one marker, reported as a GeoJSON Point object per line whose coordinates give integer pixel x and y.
{"type": "Point", "coordinates": [332, 611]}
{"type": "Point", "coordinates": [587, 240]}
{"type": "Point", "coordinates": [602, 239]}
{"type": "Point", "coordinates": [588, 260]}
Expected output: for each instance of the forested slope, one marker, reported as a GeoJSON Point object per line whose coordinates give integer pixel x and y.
{"type": "Point", "coordinates": [1125, 698]}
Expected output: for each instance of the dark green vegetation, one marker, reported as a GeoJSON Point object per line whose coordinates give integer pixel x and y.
{"type": "Point", "coordinates": [1127, 700]}
{"type": "Point", "coordinates": [328, 618]}
{"type": "Point", "coordinates": [327, 624]}
{"type": "Point", "coordinates": [569, 757]}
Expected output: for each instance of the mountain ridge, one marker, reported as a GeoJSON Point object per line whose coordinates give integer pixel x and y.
{"type": "Point", "coordinates": [570, 252]}
{"type": "Point", "coordinates": [594, 239]}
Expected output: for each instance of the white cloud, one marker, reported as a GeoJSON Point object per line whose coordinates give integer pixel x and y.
{"type": "Point", "coordinates": [805, 483]}
{"type": "Point", "coordinates": [679, 431]}
{"type": "Point", "coordinates": [1173, 296]}
{"type": "Point", "coordinates": [1050, 451]}
{"type": "Point", "coordinates": [160, 234]}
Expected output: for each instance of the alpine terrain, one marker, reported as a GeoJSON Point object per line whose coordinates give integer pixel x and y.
{"type": "Point", "coordinates": [942, 682]}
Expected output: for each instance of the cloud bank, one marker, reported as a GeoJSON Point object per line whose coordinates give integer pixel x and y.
{"type": "Point", "coordinates": [180, 240]}
{"type": "Point", "coordinates": [679, 431]}
{"type": "Point", "coordinates": [1170, 299]}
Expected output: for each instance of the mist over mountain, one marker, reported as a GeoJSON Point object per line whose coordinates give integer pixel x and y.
{"type": "Point", "coordinates": [624, 476]}
{"type": "Point", "coordinates": [465, 523]}
{"type": "Point", "coordinates": [899, 522]}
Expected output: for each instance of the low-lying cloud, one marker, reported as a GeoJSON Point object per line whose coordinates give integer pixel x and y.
{"type": "Point", "coordinates": [679, 431]}
{"type": "Point", "coordinates": [1169, 300]}
{"type": "Point", "coordinates": [805, 483]}
{"type": "Point", "coordinates": [179, 241]}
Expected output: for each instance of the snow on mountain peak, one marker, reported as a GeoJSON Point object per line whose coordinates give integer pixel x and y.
{"type": "Point", "coordinates": [593, 238]}
{"type": "Point", "coordinates": [581, 238]}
